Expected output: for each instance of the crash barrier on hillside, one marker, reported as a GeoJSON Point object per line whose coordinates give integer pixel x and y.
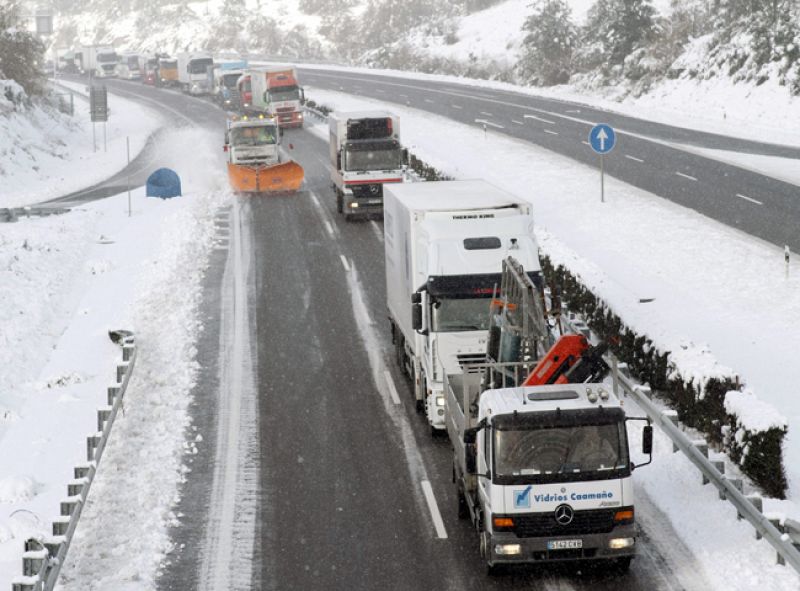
{"type": "Point", "coordinates": [782, 535]}
{"type": "Point", "coordinates": [13, 214]}
{"type": "Point", "coordinates": [44, 556]}
{"type": "Point", "coordinates": [164, 183]}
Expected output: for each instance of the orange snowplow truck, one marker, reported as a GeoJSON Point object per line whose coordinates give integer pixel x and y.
{"type": "Point", "coordinates": [255, 164]}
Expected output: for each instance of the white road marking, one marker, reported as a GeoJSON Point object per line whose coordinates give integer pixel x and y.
{"type": "Point", "coordinates": [634, 158]}
{"type": "Point", "coordinates": [329, 229]}
{"type": "Point", "coordinates": [404, 95]}
{"type": "Point", "coordinates": [489, 123]}
{"type": "Point", "coordinates": [392, 387]}
{"type": "Point", "coordinates": [376, 228]}
{"type": "Point", "coordinates": [517, 122]}
{"type": "Point", "coordinates": [345, 264]}
{"type": "Point", "coordinates": [750, 199]}
{"type": "Point", "coordinates": [457, 106]}
{"type": "Point", "coordinates": [573, 111]}
{"type": "Point", "coordinates": [585, 143]}
{"type": "Point", "coordinates": [551, 132]}
{"type": "Point", "coordinates": [542, 119]}
{"type": "Point", "coordinates": [315, 200]}
{"type": "Point", "coordinates": [441, 532]}
{"type": "Point", "coordinates": [686, 176]}
{"type": "Point", "coordinates": [380, 90]}
{"type": "Point", "coordinates": [487, 114]}
{"type": "Point", "coordinates": [428, 101]}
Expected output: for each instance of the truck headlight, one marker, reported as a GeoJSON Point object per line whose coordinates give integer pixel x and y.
{"type": "Point", "coordinates": [354, 205]}
{"type": "Point", "coordinates": [440, 401]}
{"type": "Point", "coordinates": [621, 543]}
{"type": "Point", "coordinates": [508, 549]}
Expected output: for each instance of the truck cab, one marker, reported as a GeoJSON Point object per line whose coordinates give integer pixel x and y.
{"type": "Point", "coordinates": [253, 142]}
{"type": "Point", "coordinates": [193, 72]}
{"type": "Point", "coordinates": [545, 471]}
{"type": "Point", "coordinates": [365, 154]}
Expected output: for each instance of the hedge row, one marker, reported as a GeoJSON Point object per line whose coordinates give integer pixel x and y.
{"type": "Point", "coordinates": [759, 454]}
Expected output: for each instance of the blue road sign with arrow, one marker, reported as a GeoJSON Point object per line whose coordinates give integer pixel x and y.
{"type": "Point", "coordinates": [602, 138]}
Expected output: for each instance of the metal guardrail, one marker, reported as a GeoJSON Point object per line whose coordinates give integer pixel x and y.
{"type": "Point", "coordinates": [782, 535]}
{"type": "Point", "coordinates": [44, 556]}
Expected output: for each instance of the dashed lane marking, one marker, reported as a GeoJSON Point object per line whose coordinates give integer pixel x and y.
{"type": "Point", "coordinates": [686, 176]}
{"type": "Point", "coordinates": [441, 532]}
{"type": "Point", "coordinates": [391, 386]}
{"type": "Point", "coordinates": [750, 199]}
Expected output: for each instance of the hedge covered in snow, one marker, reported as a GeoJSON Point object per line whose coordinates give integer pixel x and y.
{"type": "Point", "coordinates": [750, 431]}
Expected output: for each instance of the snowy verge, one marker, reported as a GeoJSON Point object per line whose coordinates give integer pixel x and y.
{"type": "Point", "coordinates": [47, 154]}
{"type": "Point", "coordinates": [121, 272]}
{"type": "Point", "coordinates": [650, 259]}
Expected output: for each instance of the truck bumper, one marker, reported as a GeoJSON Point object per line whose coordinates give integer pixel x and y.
{"type": "Point", "coordinates": [365, 207]}
{"type": "Point", "coordinates": [536, 550]}
{"type": "Point", "coordinates": [288, 120]}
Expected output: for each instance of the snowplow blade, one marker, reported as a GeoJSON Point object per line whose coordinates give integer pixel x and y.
{"type": "Point", "coordinates": [281, 178]}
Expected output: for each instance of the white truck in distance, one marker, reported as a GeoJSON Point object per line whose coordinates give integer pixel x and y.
{"type": "Point", "coordinates": [365, 155]}
{"type": "Point", "coordinates": [98, 61]}
{"type": "Point", "coordinates": [543, 471]}
{"type": "Point", "coordinates": [445, 243]}
{"type": "Point", "coordinates": [193, 71]}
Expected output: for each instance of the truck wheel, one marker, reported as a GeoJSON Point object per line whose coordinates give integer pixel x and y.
{"type": "Point", "coordinates": [339, 201]}
{"type": "Point", "coordinates": [420, 406]}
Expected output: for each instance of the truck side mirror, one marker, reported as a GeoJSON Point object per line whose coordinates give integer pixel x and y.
{"type": "Point", "coordinates": [416, 316]}
{"type": "Point", "coordinates": [339, 161]}
{"type": "Point", "coordinates": [470, 459]}
{"type": "Point", "coordinates": [302, 96]}
{"type": "Point", "coordinates": [471, 435]}
{"type": "Point", "coordinates": [416, 297]}
{"type": "Point", "coordinates": [405, 156]}
{"type": "Point", "coordinates": [225, 148]}
{"type": "Point", "coordinates": [647, 440]}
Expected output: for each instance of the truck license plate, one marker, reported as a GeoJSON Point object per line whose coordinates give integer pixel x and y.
{"type": "Point", "coordinates": [565, 545]}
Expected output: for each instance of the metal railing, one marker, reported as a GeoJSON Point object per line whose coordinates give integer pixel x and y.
{"type": "Point", "coordinates": [782, 535]}
{"type": "Point", "coordinates": [44, 556]}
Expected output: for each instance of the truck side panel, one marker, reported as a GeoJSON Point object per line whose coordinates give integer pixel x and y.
{"type": "Point", "coordinates": [399, 240]}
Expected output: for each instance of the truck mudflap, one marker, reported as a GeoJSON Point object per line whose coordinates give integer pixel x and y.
{"type": "Point", "coordinates": [507, 548]}
{"type": "Point", "coordinates": [286, 177]}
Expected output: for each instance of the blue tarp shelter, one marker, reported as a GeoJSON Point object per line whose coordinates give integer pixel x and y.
{"type": "Point", "coordinates": [164, 183]}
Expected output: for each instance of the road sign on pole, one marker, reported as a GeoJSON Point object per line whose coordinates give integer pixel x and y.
{"type": "Point", "coordinates": [98, 104]}
{"type": "Point", "coordinates": [602, 139]}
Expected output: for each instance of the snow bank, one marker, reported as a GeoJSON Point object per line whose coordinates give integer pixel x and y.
{"type": "Point", "coordinates": [753, 414]}
{"type": "Point", "coordinates": [41, 149]}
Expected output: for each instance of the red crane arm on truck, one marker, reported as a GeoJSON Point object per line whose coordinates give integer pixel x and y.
{"type": "Point", "coordinates": [570, 361]}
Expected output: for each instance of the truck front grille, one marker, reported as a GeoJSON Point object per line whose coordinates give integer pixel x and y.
{"type": "Point", "coordinates": [284, 109]}
{"type": "Point", "coordinates": [595, 521]}
{"type": "Point", "coordinates": [467, 362]}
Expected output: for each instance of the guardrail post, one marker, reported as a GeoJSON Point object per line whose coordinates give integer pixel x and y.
{"type": "Point", "coordinates": [82, 471]}
{"type": "Point", "coordinates": [68, 506]}
{"type": "Point", "coordinates": [113, 392]}
{"type": "Point", "coordinates": [758, 503]}
{"type": "Point", "coordinates": [645, 390]}
{"type": "Point", "coordinates": [776, 523]}
{"type": "Point", "coordinates": [75, 487]}
{"type": "Point", "coordinates": [103, 415]}
{"type": "Point", "coordinates": [736, 483]}
{"type": "Point", "coordinates": [672, 417]}
{"type": "Point", "coordinates": [121, 369]}
{"type": "Point", "coordinates": [127, 352]}
{"type": "Point", "coordinates": [91, 446]}
{"type": "Point", "coordinates": [720, 467]}
{"type": "Point", "coordinates": [60, 525]}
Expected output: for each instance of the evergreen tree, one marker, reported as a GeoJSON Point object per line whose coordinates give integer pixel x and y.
{"type": "Point", "coordinates": [615, 28]}
{"type": "Point", "coordinates": [21, 52]}
{"type": "Point", "coordinates": [549, 43]}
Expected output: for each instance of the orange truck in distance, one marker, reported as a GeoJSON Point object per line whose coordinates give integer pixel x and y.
{"type": "Point", "coordinates": [276, 93]}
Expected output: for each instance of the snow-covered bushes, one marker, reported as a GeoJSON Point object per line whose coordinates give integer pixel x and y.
{"type": "Point", "coordinates": [706, 396]}
{"type": "Point", "coordinates": [20, 51]}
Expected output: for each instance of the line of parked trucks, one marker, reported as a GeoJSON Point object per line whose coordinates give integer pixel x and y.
{"type": "Point", "coordinates": [541, 460]}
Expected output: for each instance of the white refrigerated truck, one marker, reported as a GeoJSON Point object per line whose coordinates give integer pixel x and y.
{"type": "Point", "coordinates": [444, 247]}
{"type": "Point", "coordinates": [366, 155]}
{"type": "Point", "coordinates": [193, 68]}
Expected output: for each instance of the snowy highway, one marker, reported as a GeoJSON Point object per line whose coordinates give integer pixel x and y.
{"type": "Point", "coordinates": [316, 471]}
{"type": "Point", "coordinates": [665, 160]}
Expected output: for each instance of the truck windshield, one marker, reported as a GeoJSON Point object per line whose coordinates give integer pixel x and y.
{"type": "Point", "coordinates": [548, 454]}
{"type": "Point", "coordinates": [133, 63]}
{"type": "Point", "coordinates": [289, 93]}
{"type": "Point", "coordinates": [107, 57]}
{"type": "Point", "coordinates": [253, 136]}
{"type": "Point", "coordinates": [198, 66]}
{"type": "Point", "coordinates": [168, 64]}
{"type": "Point", "coordinates": [373, 156]}
{"type": "Point", "coordinates": [460, 314]}
{"type": "Point", "coordinates": [230, 80]}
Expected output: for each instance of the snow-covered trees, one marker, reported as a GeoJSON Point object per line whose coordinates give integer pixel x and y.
{"type": "Point", "coordinates": [20, 51]}
{"type": "Point", "coordinates": [615, 28]}
{"type": "Point", "coordinates": [549, 43]}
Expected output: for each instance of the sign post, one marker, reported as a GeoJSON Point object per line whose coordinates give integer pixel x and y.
{"type": "Point", "coordinates": [98, 109]}
{"type": "Point", "coordinates": [602, 140]}
{"type": "Point", "coordinates": [786, 258]}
